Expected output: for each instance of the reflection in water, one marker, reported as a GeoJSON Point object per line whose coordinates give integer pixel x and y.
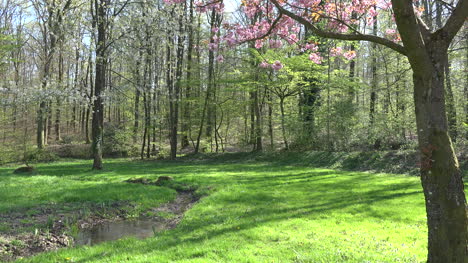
{"type": "Point", "coordinates": [141, 228]}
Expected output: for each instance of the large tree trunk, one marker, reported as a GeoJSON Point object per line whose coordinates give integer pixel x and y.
{"type": "Point", "coordinates": [440, 174]}
{"type": "Point", "coordinates": [99, 85]}
{"type": "Point", "coordinates": [441, 178]}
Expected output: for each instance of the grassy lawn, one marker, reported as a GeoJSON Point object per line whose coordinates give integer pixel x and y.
{"type": "Point", "coordinates": [255, 211]}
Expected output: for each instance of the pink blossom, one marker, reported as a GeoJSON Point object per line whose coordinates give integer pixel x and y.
{"type": "Point", "coordinates": [230, 39]}
{"type": "Point", "coordinates": [220, 58]}
{"type": "Point", "coordinates": [277, 65]}
{"type": "Point", "coordinates": [349, 54]}
{"type": "Point", "coordinates": [275, 43]}
{"type": "Point", "coordinates": [311, 47]}
{"type": "Point", "coordinates": [212, 46]}
{"type": "Point", "coordinates": [336, 51]}
{"type": "Point", "coordinates": [316, 58]}
{"type": "Point", "coordinates": [258, 43]}
{"type": "Point", "coordinates": [390, 31]}
{"type": "Point", "coordinates": [292, 39]}
{"type": "Point", "coordinates": [264, 64]}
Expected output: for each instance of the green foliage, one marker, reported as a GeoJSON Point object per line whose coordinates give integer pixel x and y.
{"type": "Point", "coordinates": [77, 151]}
{"type": "Point", "coordinates": [8, 155]}
{"type": "Point", "coordinates": [117, 142]}
{"type": "Point", "coordinates": [67, 139]}
{"type": "Point", "coordinates": [39, 155]}
{"type": "Point", "coordinates": [18, 243]}
{"type": "Point", "coordinates": [163, 153]}
{"type": "Point", "coordinates": [7, 44]}
{"type": "Point", "coordinates": [72, 185]}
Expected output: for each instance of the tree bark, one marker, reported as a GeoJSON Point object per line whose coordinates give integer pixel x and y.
{"type": "Point", "coordinates": [40, 124]}
{"type": "Point", "coordinates": [185, 128]}
{"type": "Point", "coordinates": [58, 135]}
{"type": "Point", "coordinates": [258, 123]}
{"type": "Point", "coordinates": [97, 126]}
{"type": "Point", "coordinates": [373, 95]}
{"type": "Point", "coordinates": [270, 120]}
{"type": "Point", "coordinates": [283, 128]}
{"type": "Point", "coordinates": [440, 173]}
{"type": "Point", "coordinates": [441, 178]}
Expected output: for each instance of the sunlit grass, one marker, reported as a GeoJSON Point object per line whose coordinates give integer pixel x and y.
{"type": "Point", "coordinates": [257, 211]}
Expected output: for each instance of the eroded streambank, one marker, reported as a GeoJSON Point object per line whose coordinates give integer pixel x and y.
{"type": "Point", "coordinates": [48, 228]}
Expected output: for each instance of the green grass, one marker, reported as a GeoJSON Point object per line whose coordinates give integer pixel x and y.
{"type": "Point", "coordinates": [256, 211]}
{"type": "Point", "coordinates": [73, 182]}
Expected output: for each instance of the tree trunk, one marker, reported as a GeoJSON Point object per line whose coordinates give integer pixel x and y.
{"type": "Point", "coordinates": [90, 102]}
{"type": "Point", "coordinates": [100, 84]}
{"type": "Point", "coordinates": [58, 135]}
{"type": "Point", "coordinates": [40, 124]}
{"type": "Point", "coordinates": [136, 107]}
{"type": "Point", "coordinates": [440, 173]}
{"type": "Point", "coordinates": [283, 129]}
{"type": "Point", "coordinates": [202, 121]}
{"type": "Point", "coordinates": [373, 95]}
{"type": "Point", "coordinates": [441, 178]}
{"type": "Point", "coordinates": [145, 128]}
{"type": "Point", "coordinates": [258, 123]}
{"type": "Point", "coordinates": [270, 121]}
{"type": "Point", "coordinates": [185, 128]}
{"type": "Point", "coordinates": [252, 119]}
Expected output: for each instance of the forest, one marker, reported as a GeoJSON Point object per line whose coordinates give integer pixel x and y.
{"type": "Point", "coordinates": [233, 131]}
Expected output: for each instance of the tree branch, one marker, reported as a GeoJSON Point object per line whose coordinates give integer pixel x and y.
{"type": "Point", "coordinates": [272, 27]}
{"type": "Point", "coordinates": [326, 34]}
{"type": "Point", "coordinates": [454, 22]}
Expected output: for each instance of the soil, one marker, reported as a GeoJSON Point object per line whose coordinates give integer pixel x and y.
{"type": "Point", "coordinates": [49, 228]}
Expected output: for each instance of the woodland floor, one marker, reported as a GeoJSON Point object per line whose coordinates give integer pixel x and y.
{"type": "Point", "coordinates": [253, 209]}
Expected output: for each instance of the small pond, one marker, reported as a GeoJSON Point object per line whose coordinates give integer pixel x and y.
{"type": "Point", "coordinates": [140, 228]}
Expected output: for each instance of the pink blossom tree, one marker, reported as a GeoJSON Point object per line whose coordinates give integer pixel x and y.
{"type": "Point", "coordinates": [426, 51]}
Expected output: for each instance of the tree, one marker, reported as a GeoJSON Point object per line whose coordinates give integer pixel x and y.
{"type": "Point", "coordinates": [51, 15]}
{"type": "Point", "coordinates": [426, 51]}
{"type": "Point", "coordinates": [440, 174]}
{"type": "Point", "coordinates": [97, 126]}
{"type": "Point", "coordinates": [101, 11]}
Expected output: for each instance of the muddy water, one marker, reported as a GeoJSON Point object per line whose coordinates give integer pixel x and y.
{"type": "Point", "coordinates": [140, 228]}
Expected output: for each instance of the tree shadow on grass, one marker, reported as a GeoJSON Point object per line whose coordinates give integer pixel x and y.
{"type": "Point", "coordinates": [250, 196]}
{"type": "Point", "coordinates": [259, 211]}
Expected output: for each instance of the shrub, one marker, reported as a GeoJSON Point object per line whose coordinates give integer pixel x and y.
{"type": "Point", "coordinates": [80, 151]}
{"type": "Point", "coordinates": [117, 141]}
{"type": "Point", "coordinates": [67, 139]}
{"type": "Point", "coordinates": [39, 155]}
